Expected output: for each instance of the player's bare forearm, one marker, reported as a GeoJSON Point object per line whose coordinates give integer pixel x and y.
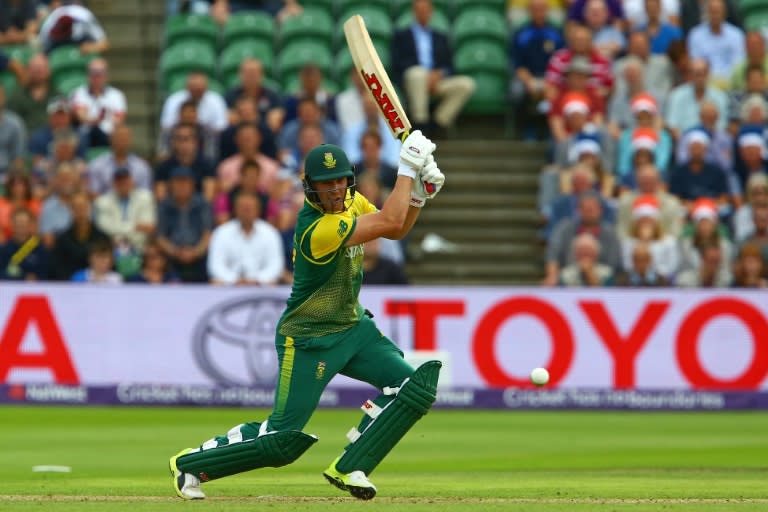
{"type": "Point", "coordinates": [410, 220]}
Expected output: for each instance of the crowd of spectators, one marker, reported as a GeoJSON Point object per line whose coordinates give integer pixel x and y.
{"type": "Point", "coordinates": [656, 112]}
{"type": "Point", "coordinates": [218, 200]}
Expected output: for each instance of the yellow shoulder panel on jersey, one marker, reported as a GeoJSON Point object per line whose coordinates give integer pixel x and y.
{"type": "Point", "coordinates": [362, 206]}
{"type": "Point", "coordinates": [327, 234]}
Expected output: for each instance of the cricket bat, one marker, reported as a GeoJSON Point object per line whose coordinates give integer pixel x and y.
{"type": "Point", "coordinates": [376, 80]}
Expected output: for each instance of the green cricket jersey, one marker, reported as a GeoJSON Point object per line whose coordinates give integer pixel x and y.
{"type": "Point", "coordinates": [327, 275]}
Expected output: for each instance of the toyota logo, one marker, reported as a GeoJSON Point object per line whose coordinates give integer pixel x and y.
{"type": "Point", "coordinates": [234, 342]}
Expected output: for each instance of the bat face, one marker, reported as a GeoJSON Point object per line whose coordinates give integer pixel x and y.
{"type": "Point", "coordinates": [371, 80]}
{"type": "Point", "coordinates": [375, 77]}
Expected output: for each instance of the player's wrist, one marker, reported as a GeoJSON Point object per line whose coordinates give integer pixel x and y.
{"type": "Point", "coordinates": [406, 170]}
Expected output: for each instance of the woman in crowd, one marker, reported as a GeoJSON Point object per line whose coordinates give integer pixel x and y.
{"type": "Point", "coordinates": [707, 230]}
{"type": "Point", "coordinates": [18, 194]}
{"type": "Point", "coordinates": [647, 230]}
{"type": "Point", "coordinates": [155, 267]}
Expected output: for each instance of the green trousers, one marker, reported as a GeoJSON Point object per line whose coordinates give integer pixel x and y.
{"type": "Point", "coordinates": [307, 365]}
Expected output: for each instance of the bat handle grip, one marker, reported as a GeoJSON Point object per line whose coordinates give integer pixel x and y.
{"type": "Point", "coordinates": [429, 187]}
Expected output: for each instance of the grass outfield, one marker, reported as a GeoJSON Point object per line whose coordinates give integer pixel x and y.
{"type": "Point", "coordinates": [451, 461]}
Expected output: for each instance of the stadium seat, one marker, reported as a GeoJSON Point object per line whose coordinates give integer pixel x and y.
{"type": "Point", "coordinates": [439, 21]}
{"type": "Point", "coordinates": [480, 56]}
{"type": "Point", "coordinates": [20, 52]}
{"type": "Point", "coordinates": [234, 54]}
{"type": "Point", "coordinates": [758, 21]}
{"type": "Point", "coordinates": [95, 152]}
{"type": "Point", "coordinates": [66, 58]}
{"type": "Point", "coordinates": [401, 6]}
{"type": "Point", "coordinates": [487, 64]}
{"type": "Point", "coordinates": [498, 6]}
{"type": "Point", "coordinates": [8, 81]}
{"type": "Point", "coordinates": [479, 23]}
{"type": "Point", "coordinates": [294, 56]}
{"type": "Point", "coordinates": [185, 26]}
{"type": "Point", "coordinates": [188, 57]}
{"type": "Point", "coordinates": [342, 63]}
{"type": "Point", "coordinates": [248, 25]}
{"type": "Point", "coordinates": [67, 81]}
{"type": "Point", "coordinates": [312, 23]}
{"type": "Point", "coordinates": [749, 7]}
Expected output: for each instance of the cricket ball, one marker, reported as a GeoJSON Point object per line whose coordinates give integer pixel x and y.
{"type": "Point", "coordinates": [539, 376]}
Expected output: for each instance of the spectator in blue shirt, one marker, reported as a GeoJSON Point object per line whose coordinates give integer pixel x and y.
{"type": "Point", "coordinates": [661, 33]}
{"type": "Point", "coordinates": [184, 224]}
{"type": "Point", "coordinates": [531, 48]}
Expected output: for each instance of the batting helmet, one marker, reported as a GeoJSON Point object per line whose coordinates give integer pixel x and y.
{"type": "Point", "coordinates": [324, 163]}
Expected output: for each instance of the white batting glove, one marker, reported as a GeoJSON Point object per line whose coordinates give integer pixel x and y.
{"type": "Point", "coordinates": [428, 183]}
{"type": "Point", "coordinates": [416, 148]}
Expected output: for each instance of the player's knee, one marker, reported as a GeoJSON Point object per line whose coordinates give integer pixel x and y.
{"type": "Point", "coordinates": [420, 392]}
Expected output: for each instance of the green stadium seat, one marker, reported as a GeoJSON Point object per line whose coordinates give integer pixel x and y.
{"type": "Point", "coordinates": [234, 54]}
{"type": "Point", "coordinates": [758, 21]}
{"type": "Point", "coordinates": [188, 57]}
{"type": "Point", "coordinates": [498, 6]}
{"type": "Point", "coordinates": [20, 52]}
{"type": "Point", "coordinates": [311, 24]}
{"type": "Point", "coordinates": [481, 56]}
{"type": "Point", "coordinates": [294, 56]}
{"type": "Point", "coordinates": [178, 81]}
{"type": "Point", "coordinates": [439, 20]}
{"type": "Point", "coordinates": [479, 23]}
{"type": "Point", "coordinates": [66, 58]}
{"type": "Point", "coordinates": [67, 81]}
{"type": "Point", "coordinates": [401, 6]}
{"type": "Point", "coordinates": [490, 93]}
{"type": "Point", "coordinates": [184, 26]}
{"type": "Point", "coordinates": [249, 25]}
{"type": "Point", "coordinates": [8, 81]}
{"type": "Point", "coordinates": [749, 7]}
{"type": "Point", "coordinates": [95, 152]}
{"type": "Point", "coordinates": [345, 7]}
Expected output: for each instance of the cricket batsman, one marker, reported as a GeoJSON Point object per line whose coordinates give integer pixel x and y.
{"type": "Point", "coordinates": [325, 331]}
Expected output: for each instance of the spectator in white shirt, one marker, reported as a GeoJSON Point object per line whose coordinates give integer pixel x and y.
{"type": "Point", "coordinates": [246, 250]}
{"type": "Point", "coordinates": [102, 168]}
{"type": "Point", "coordinates": [97, 105]}
{"type": "Point", "coordinates": [211, 107]}
{"type": "Point", "coordinates": [719, 42]}
{"type": "Point", "coordinates": [126, 213]}
{"type": "Point", "coordinates": [73, 24]}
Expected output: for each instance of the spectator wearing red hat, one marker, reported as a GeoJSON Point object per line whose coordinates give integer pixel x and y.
{"type": "Point", "coordinates": [649, 183]}
{"type": "Point", "coordinates": [647, 229]}
{"type": "Point", "coordinates": [573, 113]}
{"type": "Point", "coordinates": [698, 178]}
{"type": "Point", "coordinates": [646, 136]}
{"type": "Point", "coordinates": [579, 45]}
{"type": "Point", "coordinates": [707, 230]}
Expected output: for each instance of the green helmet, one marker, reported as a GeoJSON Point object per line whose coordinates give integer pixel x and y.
{"type": "Point", "coordinates": [327, 162]}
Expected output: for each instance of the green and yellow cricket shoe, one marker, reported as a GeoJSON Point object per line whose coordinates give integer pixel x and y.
{"type": "Point", "coordinates": [186, 485]}
{"type": "Point", "coordinates": [356, 483]}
